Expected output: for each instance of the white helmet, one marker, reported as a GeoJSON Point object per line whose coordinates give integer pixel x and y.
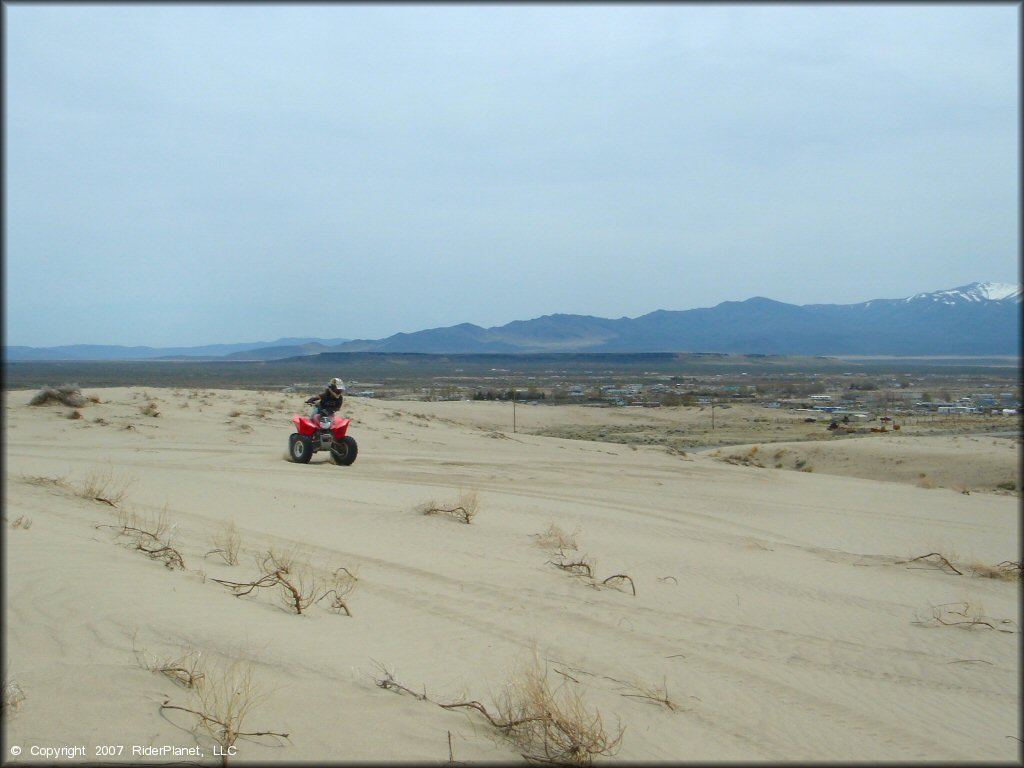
{"type": "Point", "coordinates": [337, 384]}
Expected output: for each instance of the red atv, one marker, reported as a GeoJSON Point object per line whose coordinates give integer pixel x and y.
{"type": "Point", "coordinates": [325, 433]}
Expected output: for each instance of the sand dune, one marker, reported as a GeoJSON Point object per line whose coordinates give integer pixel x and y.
{"type": "Point", "coordinates": [777, 615]}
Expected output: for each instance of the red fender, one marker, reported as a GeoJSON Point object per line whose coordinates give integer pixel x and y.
{"type": "Point", "coordinates": [306, 426]}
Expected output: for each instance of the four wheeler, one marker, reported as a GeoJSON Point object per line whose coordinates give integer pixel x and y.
{"type": "Point", "coordinates": [325, 432]}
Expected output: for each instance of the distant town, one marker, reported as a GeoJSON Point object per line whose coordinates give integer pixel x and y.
{"type": "Point", "coordinates": [855, 396]}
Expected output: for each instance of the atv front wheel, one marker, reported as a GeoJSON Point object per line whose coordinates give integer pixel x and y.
{"type": "Point", "coordinates": [344, 451]}
{"type": "Point", "coordinates": [300, 448]}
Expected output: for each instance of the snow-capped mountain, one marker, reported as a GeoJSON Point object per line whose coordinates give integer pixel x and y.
{"type": "Point", "coordinates": [973, 292]}
{"type": "Point", "coordinates": [976, 319]}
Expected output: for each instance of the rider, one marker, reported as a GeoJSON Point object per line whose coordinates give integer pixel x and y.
{"type": "Point", "coordinates": [329, 400]}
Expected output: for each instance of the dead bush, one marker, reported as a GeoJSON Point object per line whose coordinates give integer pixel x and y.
{"type": "Point", "coordinates": [298, 584]}
{"type": "Point", "coordinates": [1007, 570]}
{"type": "Point", "coordinates": [551, 725]}
{"type": "Point", "coordinates": [554, 539]}
{"type": "Point", "coordinates": [13, 696]}
{"type": "Point", "coordinates": [936, 560]}
{"type": "Point", "coordinates": [465, 509]}
{"type": "Point", "coordinates": [584, 567]}
{"type": "Point", "coordinates": [963, 615]}
{"type": "Point", "coordinates": [150, 535]}
{"type": "Point", "coordinates": [342, 583]}
{"type": "Point", "coordinates": [185, 669]}
{"type": "Point", "coordinates": [227, 541]}
{"type": "Point", "coordinates": [656, 694]}
{"type": "Point", "coordinates": [222, 701]}
{"type": "Point", "coordinates": [65, 394]}
{"type": "Point", "coordinates": [104, 487]}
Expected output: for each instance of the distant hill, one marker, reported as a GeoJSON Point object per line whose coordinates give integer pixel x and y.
{"type": "Point", "coordinates": [972, 320]}
{"type": "Point", "coordinates": [976, 319]}
{"type": "Point", "coordinates": [244, 351]}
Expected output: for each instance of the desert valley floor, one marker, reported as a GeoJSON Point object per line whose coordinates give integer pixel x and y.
{"type": "Point", "coordinates": [708, 605]}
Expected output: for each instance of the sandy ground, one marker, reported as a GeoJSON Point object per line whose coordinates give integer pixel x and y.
{"type": "Point", "coordinates": [778, 615]}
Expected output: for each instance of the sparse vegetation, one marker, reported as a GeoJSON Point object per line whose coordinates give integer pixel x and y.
{"type": "Point", "coordinates": [465, 509]}
{"type": "Point", "coordinates": [299, 585]}
{"type": "Point", "coordinates": [1008, 570]}
{"type": "Point", "coordinates": [185, 669]}
{"type": "Point", "coordinates": [223, 698]}
{"type": "Point", "coordinates": [11, 698]}
{"type": "Point", "coordinates": [554, 539]}
{"type": "Point", "coordinates": [940, 561]}
{"type": "Point", "coordinates": [582, 566]}
{"type": "Point", "coordinates": [657, 694]}
{"type": "Point", "coordinates": [150, 535]}
{"type": "Point", "coordinates": [104, 487]}
{"type": "Point", "coordinates": [227, 541]}
{"type": "Point", "coordinates": [66, 394]}
{"type": "Point", "coordinates": [550, 724]}
{"type": "Point", "coordinates": [963, 615]}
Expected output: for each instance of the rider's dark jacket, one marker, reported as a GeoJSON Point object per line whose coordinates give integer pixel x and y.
{"type": "Point", "coordinates": [327, 401]}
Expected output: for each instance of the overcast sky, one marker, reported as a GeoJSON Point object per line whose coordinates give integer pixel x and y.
{"type": "Point", "coordinates": [194, 174]}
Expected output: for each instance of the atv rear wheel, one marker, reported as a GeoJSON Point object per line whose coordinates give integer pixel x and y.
{"type": "Point", "coordinates": [300, 448]}
{"type": "Point", "coordinates": [344, 451]}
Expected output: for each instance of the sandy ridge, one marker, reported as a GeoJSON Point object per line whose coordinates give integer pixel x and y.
{"type": "Point", "coordinates": [774, 606]}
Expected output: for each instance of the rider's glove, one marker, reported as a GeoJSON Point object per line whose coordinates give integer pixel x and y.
{"type": "Point", "coordinates": [310, 401]}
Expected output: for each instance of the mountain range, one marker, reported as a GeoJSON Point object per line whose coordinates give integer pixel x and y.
{"type": "Point", "coordinates": [975, 319]}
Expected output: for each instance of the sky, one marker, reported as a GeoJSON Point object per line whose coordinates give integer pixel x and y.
{"type": "Point", "coordinates": [190, 174]}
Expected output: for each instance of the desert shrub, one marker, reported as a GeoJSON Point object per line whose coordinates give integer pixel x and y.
{"type": "Point", "coordinates": [550, 725]}
{"type": "Point", "coordinates": [465, 509]}
{"type": "Point", "coordinates": [150, 534]}
{"type": "Point", "coordinates": [935, 560]}
{"type": "Point", "coordinates": [11, 698]}
{"type": "Point", "coordinates": [553, 723]}
{"type": "Point", "coordinates": [1007, 570]}
{"type": "Point", "coordinates": [1008, 485]}
{"type": "Point", "coordinates": [104, 487]}
{"type": "Point", "coordinates": [963, 615]}
{"type": "Point", "coordinates": [65, 394]}
{"type": "Point", "coordinates": [222, 700]}
{"type": "Point", "coordinates": [185, 668]}
{"type": "Point", "coordinates": [298, 584]}
{"type": "Point", "coordinates": [555, 539]}
{"type": "Point", "coordinates": [583, 566]}
{"type": "Point", "coordinates": [341, 584]}
{"type": "Point", "coordinates": [227, 541]}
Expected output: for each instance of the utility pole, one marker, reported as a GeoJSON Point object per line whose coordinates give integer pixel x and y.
{"type": "Point", "coordinates": [513, 409]}
{"type": "Point", "coordinates": [712, 414]}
